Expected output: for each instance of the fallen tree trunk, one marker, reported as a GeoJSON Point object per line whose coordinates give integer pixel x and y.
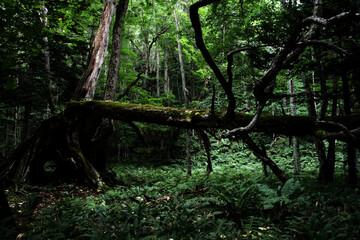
{"type": "Point", "coordinates": [279, 124]}
{"type": "Point", "coordinates": [69, 140]}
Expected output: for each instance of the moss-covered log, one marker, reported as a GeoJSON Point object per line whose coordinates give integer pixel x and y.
{"type": "Point", "coordinates": [69, 140]}
{"type": "Point", "coordinates": [287, 125]}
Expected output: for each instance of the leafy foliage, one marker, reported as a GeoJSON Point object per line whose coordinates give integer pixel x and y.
{"type": "Point", "coordinates": [163, 203]}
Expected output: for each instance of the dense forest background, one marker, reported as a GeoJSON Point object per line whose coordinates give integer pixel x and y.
{"type": "Point", "coordinates": [274, 83]}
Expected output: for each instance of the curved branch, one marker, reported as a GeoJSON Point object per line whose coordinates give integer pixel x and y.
{"type": "Point", "coordinates": [249, 127]}
{"type": "Point", "coordinates": [323, 21]}
{"type": "Point", "coordinates": [341, 129]}
{"type": "Point", "coordinates": [195, 20]}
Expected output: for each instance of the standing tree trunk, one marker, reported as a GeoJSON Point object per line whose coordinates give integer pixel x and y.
{"type": "Point", "coordinates": [157, 69]}
{"type": "Point", "coordinates": [87, 84]}
{"type": "Point", "coordinates": [309, 96]}
{"type": "Point", "coordinates": [319, 144]}
{"type": "Point", "coordinates": [47, 63]}
{"type": "Point", "coordinates": [296, 152]}
{"type": "Point", "coordinates": [323, 160]}
{"type": "Point", "coordinates": [16, 134]}
{"type": "Point", "coordinates": [147, 59]}
{"type": "Point", "coordinates": [247, 102]}
{"type": "Point", "coordinates": [185, 94]}
{"type": "Point", "coordinates": [83, 137]}
{"type": "Point", "coordinates": [6, 137]}
{"type": "Point", "coordinates": [99, 154]}
{"type": "Point", "coordinates": [115, 59]}
{"type": "Point", "coordinates": [182, 71]}
{"type": "Point", "coordinates": [26, 122]}
{"type": "Point", "coordinates": [351, 151]}
{"type": "Point", "coordinates": [166, 71]}
{"type": "Point", "coordinates": [329, 178]}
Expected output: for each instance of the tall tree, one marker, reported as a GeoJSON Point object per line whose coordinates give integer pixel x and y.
{"type": "Point", "coordinates": [182, 71]}
{"type": "Point", "coordinates": [185, 93]}
{"type": "Point", "coordinates": [350, 149]}
{"type": "Point", "coordinates": [116, 47]}
{"type": "Point", "coordinates": [157, 55]}
{"type": "Point", "coordinates": [48, 84]}
{"type": "Point", "coordinates": [166, 71]}
{"type": "Point", "coordinates": [296, 151]}
{"type": "Point", "coordinates": [87, 84]}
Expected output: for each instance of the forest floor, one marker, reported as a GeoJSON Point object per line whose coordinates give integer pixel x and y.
{"type": "Point", "coordinates": [35, 198]}
{"type": "Point", "coordinates": [163, 203]}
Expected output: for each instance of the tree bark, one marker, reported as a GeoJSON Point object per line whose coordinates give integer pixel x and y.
{"type": "Point", "coordinates": [106, 128]}
{"type": "Point", "coordinates": [87, 84]}
{"type": "Point", "coordinates": [319, 144]}
{"type": "Point", "coordinates": [115, 59]}
{"type": "Point", "coordinates": [16, 129]}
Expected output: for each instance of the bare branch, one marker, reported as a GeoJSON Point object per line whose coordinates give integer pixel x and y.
{"type": "Point", "coordinates": [322, 21]}
{"type": "Point", "coordinates": [335, 126]}
{"type": "Point", "coordinates": [161, 32]}
{"type": "Point", "coordinates": [248, 128]}
{"type": "Point", "coordinates": [195, 20]}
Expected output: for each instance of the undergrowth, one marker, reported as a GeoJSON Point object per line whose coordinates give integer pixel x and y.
{"type": "Point", "coordinates": [161, 202]}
